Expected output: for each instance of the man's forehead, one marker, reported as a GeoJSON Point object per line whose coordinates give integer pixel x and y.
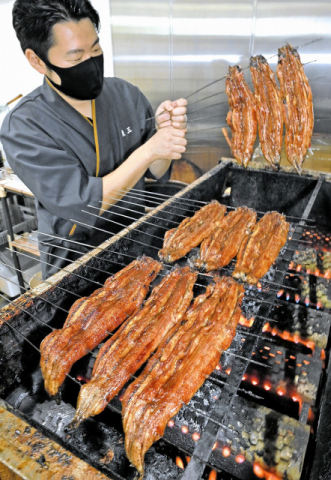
{"type": "Point", "coordinates": [73, 36]}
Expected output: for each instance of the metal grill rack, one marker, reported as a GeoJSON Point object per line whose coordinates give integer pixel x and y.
{"type": "Point", "coordinates": [252, 417]}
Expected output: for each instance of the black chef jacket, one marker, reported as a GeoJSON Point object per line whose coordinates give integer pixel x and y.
{"type": "Point", "coordinates": [51, 147]}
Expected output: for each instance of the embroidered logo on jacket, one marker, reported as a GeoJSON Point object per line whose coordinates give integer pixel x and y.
{"type": "Point", "coordinates": [128, 131]}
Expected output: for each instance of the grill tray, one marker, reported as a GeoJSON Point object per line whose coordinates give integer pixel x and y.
{"type": "Point", "coordinates": [235, 424]}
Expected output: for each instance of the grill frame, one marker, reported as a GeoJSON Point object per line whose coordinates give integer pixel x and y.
{"type": "Point", "coordinates": [226, 172]}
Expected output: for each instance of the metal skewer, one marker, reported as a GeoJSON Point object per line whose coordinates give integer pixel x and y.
{"type": "Point", "coordinates": [91, 247]}
{"type": "Point", "coordinates": [144, 193]}
{"type": "Point", "coordinates": [106, 231]}
{"type": "Point", "coordinates": [130, 210]}
{"type": "Point", "coordinates": [38, 296]}
{"type": "Point", "coordinates": [63, 268]}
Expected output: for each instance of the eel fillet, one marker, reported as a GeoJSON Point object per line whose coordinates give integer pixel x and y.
{"type": "Point", "coordinates": [135, 341]}
{"type": "Point", "coordinates": [297, 103]}
{"type": "Point", "coordinates": [242, 117]}
{"type": "Point", "coordinates": [269, 110]}
{"type": "Point", "coordinates": [262, 247]}
{"type": "Point", "coordinates": [223, 245]}
{"type": "Point", "coordinates": [191, 232]}
{"type": "Point", "coordinates": [184, 359]}
{"type": "Point", "coordinates": [90, 319]}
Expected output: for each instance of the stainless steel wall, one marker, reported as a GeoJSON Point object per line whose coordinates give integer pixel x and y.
{"type": "Point", "coordinates": [172, 48]}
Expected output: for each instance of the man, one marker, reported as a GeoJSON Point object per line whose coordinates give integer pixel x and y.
{"type": "Point", "coordinates": [80, 140]}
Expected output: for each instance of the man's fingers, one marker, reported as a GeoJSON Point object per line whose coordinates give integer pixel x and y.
{"type": "Point", "coordinates": [180, 102]}
{"type": "Point", "coordinates": [178, 112]}
{"type": "Point", "coordinates": [179, 132]}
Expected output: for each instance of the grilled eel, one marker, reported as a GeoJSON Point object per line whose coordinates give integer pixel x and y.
{"type": "Point", "coordinates": [241, 118]}
{"type": "Point", "coordinates": [191, 231]}
{"type": "Point", "coordinates": [262, 247]}
{"type": "Point", "coordinates": [223, 245]}
{"type": "Point", "coordinates": [90, 319]}
{"type": "Point", "coordinates": [297, 104]}
{"type": "Point", "coordinates": [185, 358]}
{"type": "Point", "coordinates": [269, 110]}
{"type": "Point", "coordinates": [134, 342]}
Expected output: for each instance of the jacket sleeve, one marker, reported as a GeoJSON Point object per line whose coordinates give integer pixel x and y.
{"type": "Point", "coordinates": [56, 177]}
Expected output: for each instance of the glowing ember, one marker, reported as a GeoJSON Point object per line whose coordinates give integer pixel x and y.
{"type": "Point", "coordinates": [228, 371]}
{"type": "Point", "coordinates": [185, 429]}
{"type": "Point", "coordinates": [196, 436]}
{"type": "Point", "coordinates": [244, 322]}
{"type": "Point", "coordinates": [81, 378]}
{"type": "Point", "coordinates": [213, 475]}
{"type": "Point", "coordinates": [287, 296]}
{"type": "Point", "coordinates": [280, 293]}
{"type": "Point", "coordinates": [244, 378]}
{"type": "Point", "coordinates": [319, 305]}
{"type": "Point", "coordinates": [171, 423]}
{"type": "Point", "coordinates": [323, 354]}
{"type": "Point", "coordinates": [218, 367]}
{"type": "Point", "coordinates": [297, 298]}
{"type": "Point", "coordinates": [267, 386]}
{"type": "Point", "coordinates": [188, 459]}
{"type": "Point", "coordinates": [295, 399]}
{"type": "Point", "coordinates": [179, 463]}
{"type": "Point", "coordinates": [255, 381]}
{"type": "Point", "coordinates": [307, 301]}
{"type": "Point", "coordinates": [311, 416]}
{"type": "Point", "coordinates": [281, 391]}
{"type": "Point", "coordinates": [259, 286]}
{"type": "Point", "coordinates": [226, 452]}
{"type": "Point", "coordinates": [215, 446]}
{"type": "Point", "coordinates": [260, 472]}
{"type": "Point", "coordinates": [240, 458]}
{"type": "Point", "coordinates": [285, 335]}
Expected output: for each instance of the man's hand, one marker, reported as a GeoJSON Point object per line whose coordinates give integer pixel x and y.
{"type": "Point", "coordinates": [171, 114]}
{"type": "Point", "coordinates": [167, 144]}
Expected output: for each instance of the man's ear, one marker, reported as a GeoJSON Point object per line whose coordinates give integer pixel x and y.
{"type": "Point", "coordinates": [35, 61]}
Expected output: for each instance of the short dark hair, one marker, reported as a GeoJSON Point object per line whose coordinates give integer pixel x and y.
{"type": "Point", "coordinates": [33, 21]}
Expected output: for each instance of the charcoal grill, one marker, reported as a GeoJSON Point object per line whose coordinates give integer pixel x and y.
{"type": "Point", "coordinates": [265, 410]}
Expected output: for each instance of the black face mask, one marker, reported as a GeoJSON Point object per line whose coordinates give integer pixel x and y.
{"type": "Point", "coordinates": [83, 81]}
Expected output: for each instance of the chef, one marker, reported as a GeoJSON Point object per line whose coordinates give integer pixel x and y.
{"type": "Point", "coordinates": [80, 140]}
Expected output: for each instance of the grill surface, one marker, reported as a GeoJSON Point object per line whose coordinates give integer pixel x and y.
{"type": "Point", "coordinates": [258, 412]}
